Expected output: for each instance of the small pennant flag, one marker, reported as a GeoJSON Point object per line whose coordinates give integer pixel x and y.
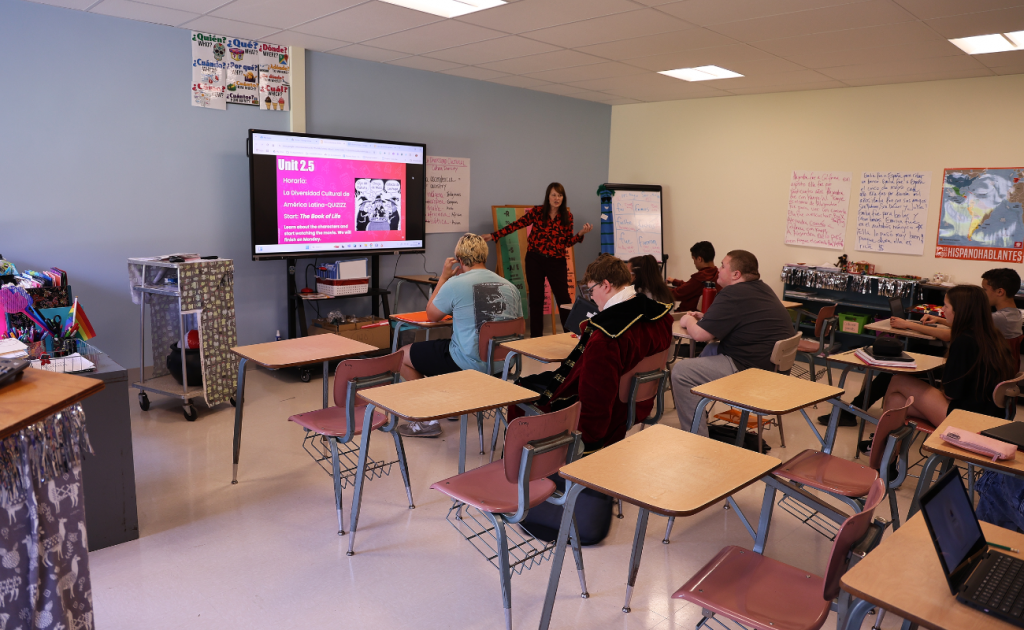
{"type": "Point", "coordinates": [85, 329]}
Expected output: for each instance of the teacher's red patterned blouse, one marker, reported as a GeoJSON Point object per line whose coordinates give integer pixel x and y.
{"type": "Point", "coordinates": [550, 238]}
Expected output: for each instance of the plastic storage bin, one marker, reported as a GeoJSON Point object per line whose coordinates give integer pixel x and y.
{"type": "Point", "coordinates": [853, 322]}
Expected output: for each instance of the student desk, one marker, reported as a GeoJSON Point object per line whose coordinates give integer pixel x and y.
{"type": "Point", "coordinates": [447, 395]}
{"type": "Point", "coordinates": [414, 321]}
{"type": "Point", "coordinates": [678, 333]}
{"type": "Point", "coordinates": [943, 454]}
{"type": "Point", "coordinates": [885, 326]}
{"type": "Point", "coordinates": [903, 575]}
{"type": "Point", "coordinates": [549, 349]}
{"type": "Point", "coordinates": [660, 470]}
{"type": "Point", "coordinates": [420, 281]}
{"type": "Point", "coordinates": [290, 353]}
{"type": "Point", "coordinates": [926, 364]}
{"type": "Point", "coordinates": [789, 304]}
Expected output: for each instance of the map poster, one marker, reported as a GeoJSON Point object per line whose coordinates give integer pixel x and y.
{"type": "Point", "coordinates": [208, 70]}
{"type": "Point", "coordinates": [243, 70]}
{"type": "Point", "coordinates": [982, 215]}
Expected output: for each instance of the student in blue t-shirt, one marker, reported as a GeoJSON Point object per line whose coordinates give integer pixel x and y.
{"type": "Point", "coordinates": [472, 295]}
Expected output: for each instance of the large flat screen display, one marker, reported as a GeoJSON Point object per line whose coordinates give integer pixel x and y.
{"type": "Point", "coordinates": [314, 194]}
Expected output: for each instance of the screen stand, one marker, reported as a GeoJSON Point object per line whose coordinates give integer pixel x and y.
{"type": "Point", "coordinates": [297, 306]}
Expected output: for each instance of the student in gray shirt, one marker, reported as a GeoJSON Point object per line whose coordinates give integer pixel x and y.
{"type": "Point", "coordinates": [746, 317]}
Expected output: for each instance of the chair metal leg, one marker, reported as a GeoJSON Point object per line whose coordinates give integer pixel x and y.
{"type": "Point", "coordinates": [764, 519]}
{"type": "Point", "coordinates": [577, 552]}
{"type": "Point", "coordinates": [480, 429]}
{"type": "Point", "coordinates": [239, 404]}
{"type": "Point", "coordinates": [828, 371]}
{"type": "Point", "coordinates": [741, 428]}
{"type": "Point", "coordinates": [970, 482]}
{"type": "Point", "coordinates": [782, 434]}
{"type": "Point", "coordinates": [337, 483]}
{"type": "Point", "coordinates": [634, 557]}
{"type": "Point", "coordinates": [894, 511]}
{"type": "Point", "coordinates": [619, 515]}
{"type": "Point", "coordinates": [814, 368]}
{"type": "Point", "coordinates": [504, 569]}
{"type": "Point", "coordinates": [357, 499]}
{"type": "Point", "coordinates": [878, 619]}
{"type": "Point", "coordinates": [499, 419]}
{"type": "Point", "coordinates": [403, 465]}
{"type": "Point", "coordinates": [572, 492]}
{"type": "Point", "coordinates": [668, 529]}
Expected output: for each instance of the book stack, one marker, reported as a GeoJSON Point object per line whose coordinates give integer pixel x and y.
{"type": "Point", "coordinates": [868, 356]}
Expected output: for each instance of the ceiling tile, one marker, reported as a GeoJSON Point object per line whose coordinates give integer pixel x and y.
{"type": "Point", "coordinates": [231, 28]}
{"type": "Point", "coordinates": [657, 44]}
{"type": "Point", "coordinates": [902, 68]}
{"type": "Point", "coordinates": [837, 18]}
{"type": "Point", "coordinates": [831, 59]}
{"type": "Point", "coordinates": [80, 5]}
{"type": "Point", "coordinates": [436, 36]}
{"type": "Point", "coordinates": [369, 53]}
{"type": "Point", "coordinates": [493, 50]}
{"type": "Point", "coordinates": [716, 55]}
{"type": "Point", "coordinates": [998, 21]}
{"type": "Point", "coordinates": [705, 12]}
{"type": "Point", "coordinates": [801, 87]}
{"type": "Point", "coordinates": [562, 90]}
{"type": "Point", "coordinates": [800, 77]}
{"type": "Point", "coordinates": [523, 82]}
{"type": "Point", "coordinates": [471, 72]}
{"type": "Point", "coordinates": [620, 86]}
{"type": "Point", "coordinates": [619, 101]}
{"type": "Point", "coordinates": [592, 71]}
{"type": "Point", "coordinates": [309, 42]}
{"type": "Point", "coordinates": [530, 15]}
{"type": "Point", "coordinates": [277, 13]}
{"type": "Point", "coordinates": [424, 63]}
{"type": "Point", "coordinates": [142, 12]}
{"type": "Point", "coordinates": [1000, 60]}
{"type": "Point", "coordinates": [917, 78]}
{"type": "Point", "coordinates": [542, 62]}
{"type": "Point", "coordinates": [367, 21]}
{"type": "Point", "coordinates": [1014, 69]}
{"type": "Point", "coordinates": [870, 37]}
{"type": "Point", "coordinates": [609, 28]}
{"type": "Point", "coordinates": [656, 3]}
{"type": "Point", "coordinates": [767, 65]}
{"type": "Point", "coordinates": [927, 9]}
{"type": "Point", "coordinates": [192, 6]}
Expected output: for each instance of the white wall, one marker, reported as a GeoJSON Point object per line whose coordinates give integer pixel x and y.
{"type": "Point", "coordinates": [725, 163]}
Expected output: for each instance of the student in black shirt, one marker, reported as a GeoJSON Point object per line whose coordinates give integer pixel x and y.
{"type": "Point", "coordinates": [977, 361]}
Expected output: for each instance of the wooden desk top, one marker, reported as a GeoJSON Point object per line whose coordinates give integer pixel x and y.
{"type": "Point", "coordinates": [789, 304]}
{"type": "Point", "coordinates": [976, 423]}
{"type": "Point", "coordinates": [419, 279]}
{"type": "Point", "coordinates": [903, 575]}
{"type": "Point", "coordinates": [547, 349]}
{"type": "Point", "coordinates": [447, 395]}
{"type": "Point", "coordinates": [38, 394]}
{"type": "Point", "coordinates": [766, 392]}
{"type": "Point", "coordinates": [419, 320]}
{"type": "Point", "coordinates": [925, 362]}
{"type": "Point", "coordinates": [303, 351]}
{"type": "Point", "coordinates": [886, 327]}
{"type": "Point", "coordinates": [668, 471]}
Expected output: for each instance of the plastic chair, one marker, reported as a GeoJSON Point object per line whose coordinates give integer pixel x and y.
{"type": "Point", "coordinates": [1014, 345]}
{"type": "Point", "coordinates": [505, 490]}
{"type": "Point", "coordinates": [825, 324]}
{"type": "Point", "coordinates": [339, 424]}
{"type": "Point", "coordinates": [759, 592]}
{"type": "Point", "coordinates": [783, 357]}
{"type": "Point", "coordinates": [849, 481]}
{"type": "Point", "coordinates": [492, 335]}
{"type": "Point", "coordinates": [1006, 393]}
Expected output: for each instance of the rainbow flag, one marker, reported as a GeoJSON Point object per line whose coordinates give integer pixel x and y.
{"type": "Point", "coordinates": [85, 329]}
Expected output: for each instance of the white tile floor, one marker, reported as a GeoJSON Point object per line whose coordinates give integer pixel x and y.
{"type": "Point", "coordinates": [265, 553]}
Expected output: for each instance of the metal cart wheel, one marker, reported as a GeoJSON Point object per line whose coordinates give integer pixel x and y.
{"type": "Point", "coordinates": [143, 401]}
{"type": "Point", "coordinates": [305, 374]}
{"type": "Point", "coordinates": [190, 412]}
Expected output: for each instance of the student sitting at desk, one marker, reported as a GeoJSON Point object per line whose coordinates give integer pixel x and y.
{"type": "Point", "coordinates": [746, 317]}
{"type": "Point", "coordinates": [688, 292]}
{"type": "Point", "coordinates": [647, 279]}
{"type": "Point", "coordinates": [472, 295]}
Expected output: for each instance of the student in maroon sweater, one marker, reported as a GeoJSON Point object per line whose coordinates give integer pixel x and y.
{"type": "Point", "coordinates": [687, 292]}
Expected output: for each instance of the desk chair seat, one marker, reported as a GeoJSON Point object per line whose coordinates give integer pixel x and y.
{"type": "Point", "coordinates": [766, 594]}
{"type": "Point", "coordinates": [808, 345]}
{"type": "Point", "coordinates": [831, 474]}
{"type": "Point", "coordinates": [332, 422]}
{"type": "Point", "coordinates": [486, 489]}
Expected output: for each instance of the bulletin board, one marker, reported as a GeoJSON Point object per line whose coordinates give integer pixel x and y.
{"type": "Point", "coordinates": [511, 250]}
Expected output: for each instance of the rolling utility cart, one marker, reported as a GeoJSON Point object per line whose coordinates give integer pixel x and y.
{"type": "Point", "coordinates": [186, 296]}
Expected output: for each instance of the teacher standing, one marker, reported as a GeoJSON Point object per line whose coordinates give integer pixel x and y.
{"type": "Point", "coordinates": [549, 239]}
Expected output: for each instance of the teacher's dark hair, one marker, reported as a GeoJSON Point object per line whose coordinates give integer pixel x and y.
{"type": "Point", "coordinates": [563, 213]}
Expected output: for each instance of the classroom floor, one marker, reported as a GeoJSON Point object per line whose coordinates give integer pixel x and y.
{"type": "Point", "coordinates": [265, 553]}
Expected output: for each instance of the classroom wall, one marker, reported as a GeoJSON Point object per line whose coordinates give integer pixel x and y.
{"type": "Point", "coordinates": [104, 158]}
{"type": "Point", "coordinates": [726, 162]}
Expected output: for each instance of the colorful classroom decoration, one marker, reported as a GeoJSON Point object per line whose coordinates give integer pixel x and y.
{"type": "Point", "coordinates": [818, 204]}
{"type": "Point", "coordinates": [892, 211]}
{"type": "Point", "coordinates": [240, 72]}
{"type": "Point", "coordinates": [982, 215]}
{"type": "Point", "coordinates": [209, 70]}
{"type": "Point", "coordinates": [275, 78]}
{"type": "Point", "coordinates": [447, 194]}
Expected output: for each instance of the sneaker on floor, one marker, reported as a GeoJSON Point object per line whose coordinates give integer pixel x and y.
{"type": "Point", "coordinates": [846, 419]}
{"type": "Point", "coordinates": [420, 429]}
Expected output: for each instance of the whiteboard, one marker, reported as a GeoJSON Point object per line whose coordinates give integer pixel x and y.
{"type": "Point", "coordinates": [636, 215]}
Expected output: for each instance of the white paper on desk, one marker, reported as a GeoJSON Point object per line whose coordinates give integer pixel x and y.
{"type": "Point", "coordinates": [10, 345]}
{"type": "Point", "coordinates": [69, 364]}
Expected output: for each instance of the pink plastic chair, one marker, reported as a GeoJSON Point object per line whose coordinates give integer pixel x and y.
{"type": "Point", "coordinates": [347, 419]}
{"type": "Point", "coordinates": [492, 335]}
{"type": "Point", "coordinates": [851, 482]}
{"type": "Point", "coordinates": [759, 592]}
{"type": "Point", "coordinates": [505, 490]}
{"type": "Point", "coordinates": [823, 343]}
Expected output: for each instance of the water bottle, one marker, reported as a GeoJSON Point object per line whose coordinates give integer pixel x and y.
{"type": "Point", "coordinates": [277, 337]}
{"type": "Point", "coordinates": [708, 296]}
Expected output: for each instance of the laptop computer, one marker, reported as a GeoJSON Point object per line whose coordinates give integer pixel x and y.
{"type": "Point", "coordinates": [897, 310]}
{"type": "Point", "coordinates": [1011, 433]}
{"type": "Point", "coordinates": [982, 578]}
{"type": "Point", "coordinates": [581, 309]}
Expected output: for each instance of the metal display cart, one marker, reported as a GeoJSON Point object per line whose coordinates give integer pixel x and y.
{"type": "Point", "coordinates": [183, 296]}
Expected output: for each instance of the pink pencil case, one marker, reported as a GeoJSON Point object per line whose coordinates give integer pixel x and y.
{"type": "Point", "coordinates": [979, 444]}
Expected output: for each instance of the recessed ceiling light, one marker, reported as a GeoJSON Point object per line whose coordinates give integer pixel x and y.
{"type": "Point", "coordinates": [1016, 37]}
{"type": "Point", "coordinates": [984, 44]}
{"type": "Point", "coordinates": [447, 8]}
{"type": "Point", "coordinates": [702, 73]}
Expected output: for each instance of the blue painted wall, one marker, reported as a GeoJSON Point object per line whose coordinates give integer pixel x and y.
{"type": "Point", "coordinates": [104, 158]}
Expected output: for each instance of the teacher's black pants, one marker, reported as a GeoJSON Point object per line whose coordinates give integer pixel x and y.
{"type": "Point", "coordinates": [539, 267]}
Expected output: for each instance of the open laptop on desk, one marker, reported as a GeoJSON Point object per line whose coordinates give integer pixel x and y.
{"type": "Point", "coordinates": [985, 579]}
{"type": "Point", "coordinates": [896, 307]}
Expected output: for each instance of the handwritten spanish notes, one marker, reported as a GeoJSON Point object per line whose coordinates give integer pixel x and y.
{"type": "Point", "coordinates": [892, 213]}
{"type": "Point", "coordinates": [447, 194]}
{"type": "Point", "coordinates": [208, 70]}
{"type": "Point", "coordinates": [637, 216]}
{"type": "Point", "coordinates": [818, 203]}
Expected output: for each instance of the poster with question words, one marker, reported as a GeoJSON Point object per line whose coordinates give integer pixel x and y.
{"type": "Point", "coordinates": [243, 70]}
{"type": "Point", "coordinates": [275, 78]}
{"type": "Point", "coordinates": [209, 70]}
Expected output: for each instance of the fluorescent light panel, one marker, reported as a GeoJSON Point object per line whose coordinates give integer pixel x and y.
{"type": "Point", "coordinates": [702, 73]}
{"type": "Point", "coordinates": [984, 44]}
{"type": "Point", "coordinates": [447, 8]}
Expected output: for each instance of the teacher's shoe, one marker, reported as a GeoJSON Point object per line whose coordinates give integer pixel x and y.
{"type": "Point", "coordinates": [420, 429]}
